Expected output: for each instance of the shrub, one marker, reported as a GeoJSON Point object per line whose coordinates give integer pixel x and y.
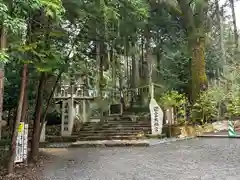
{"type": "Point", "coordinates": [178, 102]}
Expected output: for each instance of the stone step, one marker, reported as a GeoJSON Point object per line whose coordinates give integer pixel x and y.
{"type": "Point", "coordinates": [97, 143]}
{"type": "Point", "coordinates": [111, 143]}
{"type": "Point", "coordinates": [110, 132]}
{"type": "Point", "coordinates": [123, 125]}
{"type": "Point", "coordinates": [121, 121]}
{"type": "Point", "coordinates": [125, 121]}
{"type": "Point", "coordinates": [91, 138]}
{"type": "Point", "coordinates": [117, 124]}
{"type": "Point", "coordinates": [72, 138]}
{"type": "Point", "coordinates": [86, 134]}
{"type": "Point", "coordinates": [115, 130]}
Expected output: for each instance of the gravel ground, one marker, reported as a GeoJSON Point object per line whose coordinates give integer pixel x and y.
{"type": "Point", "coordinates": [195, 159]}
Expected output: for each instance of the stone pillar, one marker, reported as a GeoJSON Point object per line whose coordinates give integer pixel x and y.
{"type": "Point", "coordinates": [77, 110]}
{"type": "Point", "coordinates": [70, 116]}
{"type": "Point", "coordinates": [67, 117]}
{"type": "Point", "coordinates": [64, 124]}
{"type": "Point", "coordinates": [84, 111]}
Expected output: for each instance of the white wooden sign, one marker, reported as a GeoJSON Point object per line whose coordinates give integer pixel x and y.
{"type": "Point", "coordinates": [25, 142]}
{"type": "Point", "coordinates": [156, 117]}
{"type": "Point", "coordinates": [21, 143]}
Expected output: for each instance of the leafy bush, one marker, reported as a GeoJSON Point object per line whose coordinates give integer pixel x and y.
{"type": "Point", "coordinates": [208, 106]}
{"type": "Point", "coordinates": [172, 99]}
{"type": "Point", "coordinates": [233, 106]}
{"type": "Point", "coordinates": [205, 108]}
{"type": "Point", "coordinates": [178, 102]}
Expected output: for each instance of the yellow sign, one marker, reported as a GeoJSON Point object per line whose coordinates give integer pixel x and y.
{"type": "Point", "coordinates": [20, 127]}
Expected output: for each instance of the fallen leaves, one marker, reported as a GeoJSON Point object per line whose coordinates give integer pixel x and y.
{"type": "Point", "coordinates": [32, 171]}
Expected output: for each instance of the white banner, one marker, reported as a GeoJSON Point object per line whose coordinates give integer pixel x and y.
{"type": "Point", "coordinates": [156, 117]}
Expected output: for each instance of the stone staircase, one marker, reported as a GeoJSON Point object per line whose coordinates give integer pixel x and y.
{"type": "Point", "coordinates": [115, 129]}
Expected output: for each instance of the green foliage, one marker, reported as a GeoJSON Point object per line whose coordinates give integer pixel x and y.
{"type": "Point", "coordinates": [206, 107]}
{"type": "Point", "coordinates": [172, 99]}
{"type": "Point", "coordinates": [177, 101]}
{"type": "Point", "coordinates": [4, 57]}
{"type": "Point", "coordinates": [233, 107]}
{"type": "Point", "coordinates": [53, 8]}
{"type": "Point", "coordinates": [233, 96]}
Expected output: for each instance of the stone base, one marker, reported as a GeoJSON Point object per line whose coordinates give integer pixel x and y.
{"type": "Point", "coordinates": [160, 136]}
{"type": "Point", "coordinates": [60, 139]}
{"type": "Point", "coordinates": [100, 143]}
{"type": "Point", "coordinates": [66, 134]}
{"type": "Point", "coordinates": [94, 119]}
{"type": "Point", "coordinates": [110, 143]}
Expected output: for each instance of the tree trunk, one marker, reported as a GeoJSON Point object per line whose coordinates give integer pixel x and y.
{"type": "Point", "coordinates": [37, 118]}
{"type": "Point", "coordinates": [221, 37]}
{"type": "Point", "coordinates": [199, 77]}
{"type": "Point", "coordinates": [99, 77]}
{"type": "Point", "coordinates": [18, 119]}
{"type": "Point", "coordinates": [135, 73]}
{"type": "Point", "coordinates": [114, 80]}
{"type": "Point", "coordinates": [25, 102]}
{"type": "Point", "coordinates": [126, 60]}
{"type": "Point", "coordinates": [120, 78]}
{"type": "Point", "coordinates": [232, 4]}
{"type": "Point", "coordinates": [48, 102]}
{"type": "Point", "coordinates": [194, 22]}
{"type": "Point", "coordinates": [149, 62]}
{"type": "Point", "coordinates": [24, 109]}
{"type": "Point", "coordinates": [9, 116]}
{"type": "Point", "coordinates": [101, 82]}
{"type": "Point", "coordinates": [24, 117]}
{"type": "Point", "coordinates": [3, 47]}
{"type": "Point", "coordinates": [13, 121]}
{"type": "Point", "coordinates": [141, 70]}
